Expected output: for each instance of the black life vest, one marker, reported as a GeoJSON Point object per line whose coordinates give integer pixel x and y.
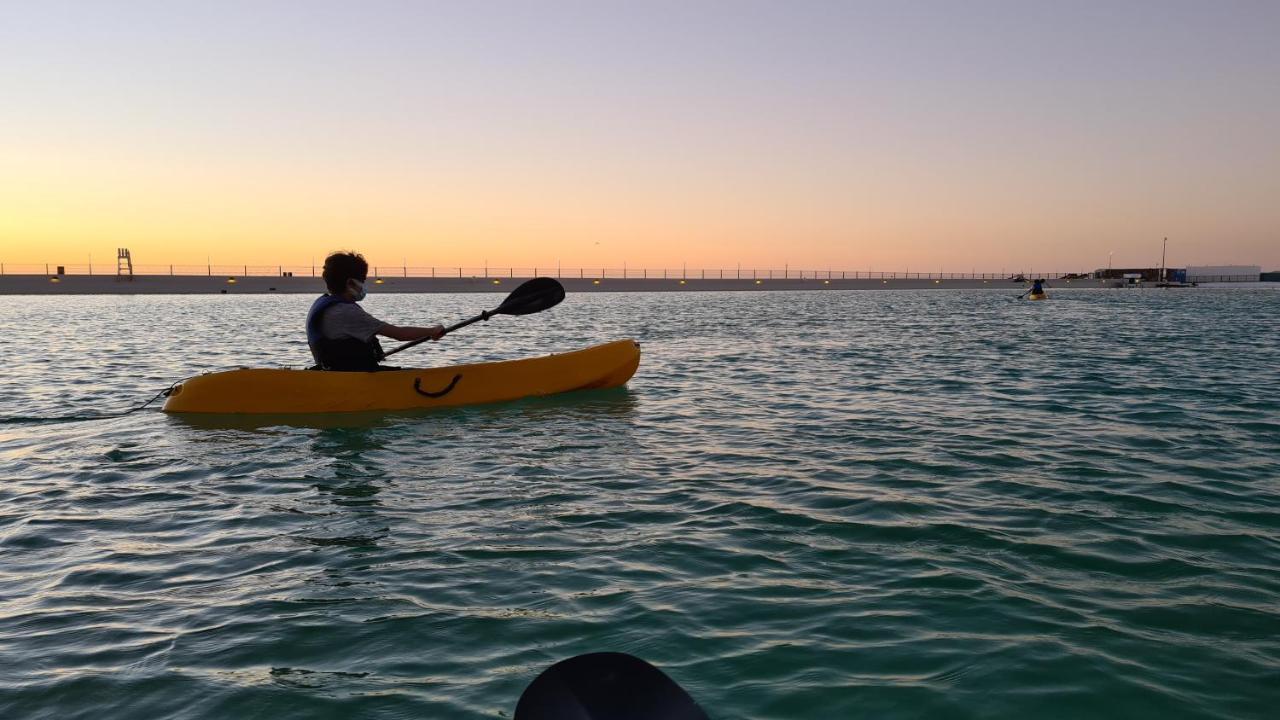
{"type": "Point", "coordinates": [346, 354]}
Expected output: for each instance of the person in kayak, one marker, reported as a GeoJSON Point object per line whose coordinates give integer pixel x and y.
{"type": "Point", "coordinates": [1037, 287]}
{"type": "Point", "coordinates": [341, 335]}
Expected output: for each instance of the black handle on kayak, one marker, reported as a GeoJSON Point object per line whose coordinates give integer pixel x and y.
{"type": "Point", "coordinates": [533, 296]}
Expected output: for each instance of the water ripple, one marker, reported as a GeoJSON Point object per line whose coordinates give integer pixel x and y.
{"type": "Point", "coordinates": [806, 505]}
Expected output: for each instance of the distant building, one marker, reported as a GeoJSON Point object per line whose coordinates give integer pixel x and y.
{"type": "Point", "coordinates": [1270, 276]}
{"type": "Point", "coordinates": [1146, 275]}
{"type": "Point", "coordinates": [1224, 273]}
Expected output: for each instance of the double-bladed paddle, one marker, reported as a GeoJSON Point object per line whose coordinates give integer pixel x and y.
{"type": "Point", "coordinates": [532, 296]}
{"type": "Point", "coordinates": [605, 686]}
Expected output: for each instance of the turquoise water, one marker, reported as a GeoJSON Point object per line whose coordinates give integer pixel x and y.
{"type": "Point", "coordinates": [805, 505]}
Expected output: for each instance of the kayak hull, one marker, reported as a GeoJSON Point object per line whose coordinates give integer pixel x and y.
{"type": "Point", "coordinates": [272, 391]}
{"type": "Point", "coordinates": [1038, 296]}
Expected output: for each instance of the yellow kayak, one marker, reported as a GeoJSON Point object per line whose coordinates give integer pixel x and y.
{"type": "Point", "coordinates": [316, 391]}
{"type": "Point", "coordinates": [1038, 296]}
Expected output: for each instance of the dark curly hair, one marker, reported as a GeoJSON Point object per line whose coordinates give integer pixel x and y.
{"type": "Point", "coordinates": [342, 266]}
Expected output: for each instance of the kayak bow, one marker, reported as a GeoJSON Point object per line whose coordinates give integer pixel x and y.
{"type": "Point", "coordinates": [315, 391]}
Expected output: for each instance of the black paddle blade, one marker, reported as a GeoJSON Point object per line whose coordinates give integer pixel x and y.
{"type": "Point", "coordinates": [532, 296]}
{"type": "Point", "coordinates": [605, 686]}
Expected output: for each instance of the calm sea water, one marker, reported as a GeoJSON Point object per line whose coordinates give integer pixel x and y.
{"type": "Point", "coordinates": [805, 505]}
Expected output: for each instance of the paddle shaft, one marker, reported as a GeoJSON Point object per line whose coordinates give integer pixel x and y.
{"type": "Point", "coordinates": [482, 316]}
{"type": "Point", "coordinates": [533, 296]}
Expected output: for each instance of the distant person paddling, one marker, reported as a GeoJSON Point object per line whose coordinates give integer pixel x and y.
{"type": "Point", "coordinates": [342, 336]}
{"type": "Point", "coordinates": [1036, 292]}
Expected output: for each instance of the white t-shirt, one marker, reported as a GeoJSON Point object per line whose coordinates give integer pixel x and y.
{"type": "Point", "coordinates": [348, 320]}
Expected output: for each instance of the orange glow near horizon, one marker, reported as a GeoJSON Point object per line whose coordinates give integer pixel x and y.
{"type": "Point", "coordinates": [67, 213]}
{"type": "Point", "coordinates": [64, 207]}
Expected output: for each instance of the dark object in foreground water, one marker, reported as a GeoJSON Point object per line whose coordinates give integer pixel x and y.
{"type": "Point", "coordinates": [605, 686]}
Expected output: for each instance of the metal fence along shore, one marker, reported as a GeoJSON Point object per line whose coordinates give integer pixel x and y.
{"type": "Point", "coordinates": [494, 271]}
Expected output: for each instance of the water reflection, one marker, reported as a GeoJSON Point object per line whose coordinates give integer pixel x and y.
{"type": "Point", "coordinates": [216, 421]}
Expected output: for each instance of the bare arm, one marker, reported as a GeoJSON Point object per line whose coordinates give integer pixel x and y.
{"type": "Point", "coordinates": [408, 332]}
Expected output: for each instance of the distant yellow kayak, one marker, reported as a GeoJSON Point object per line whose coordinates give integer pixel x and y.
{"type": "Point", "coordinates": [315, 391]}
{"type": "Point", "coordinates": [1038, 296]}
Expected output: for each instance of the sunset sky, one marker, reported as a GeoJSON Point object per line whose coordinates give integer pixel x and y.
{"type": "Point", "coordinates": [947, 135]}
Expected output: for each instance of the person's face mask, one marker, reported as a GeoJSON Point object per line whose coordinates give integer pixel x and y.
{"type": "Point", "coordinates": [358, 291]}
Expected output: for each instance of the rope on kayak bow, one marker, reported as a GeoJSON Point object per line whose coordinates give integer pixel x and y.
{"type": "Point", "coordinates": [163, 393]}
{"type": "Point", "coordinates": [79, 418]}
